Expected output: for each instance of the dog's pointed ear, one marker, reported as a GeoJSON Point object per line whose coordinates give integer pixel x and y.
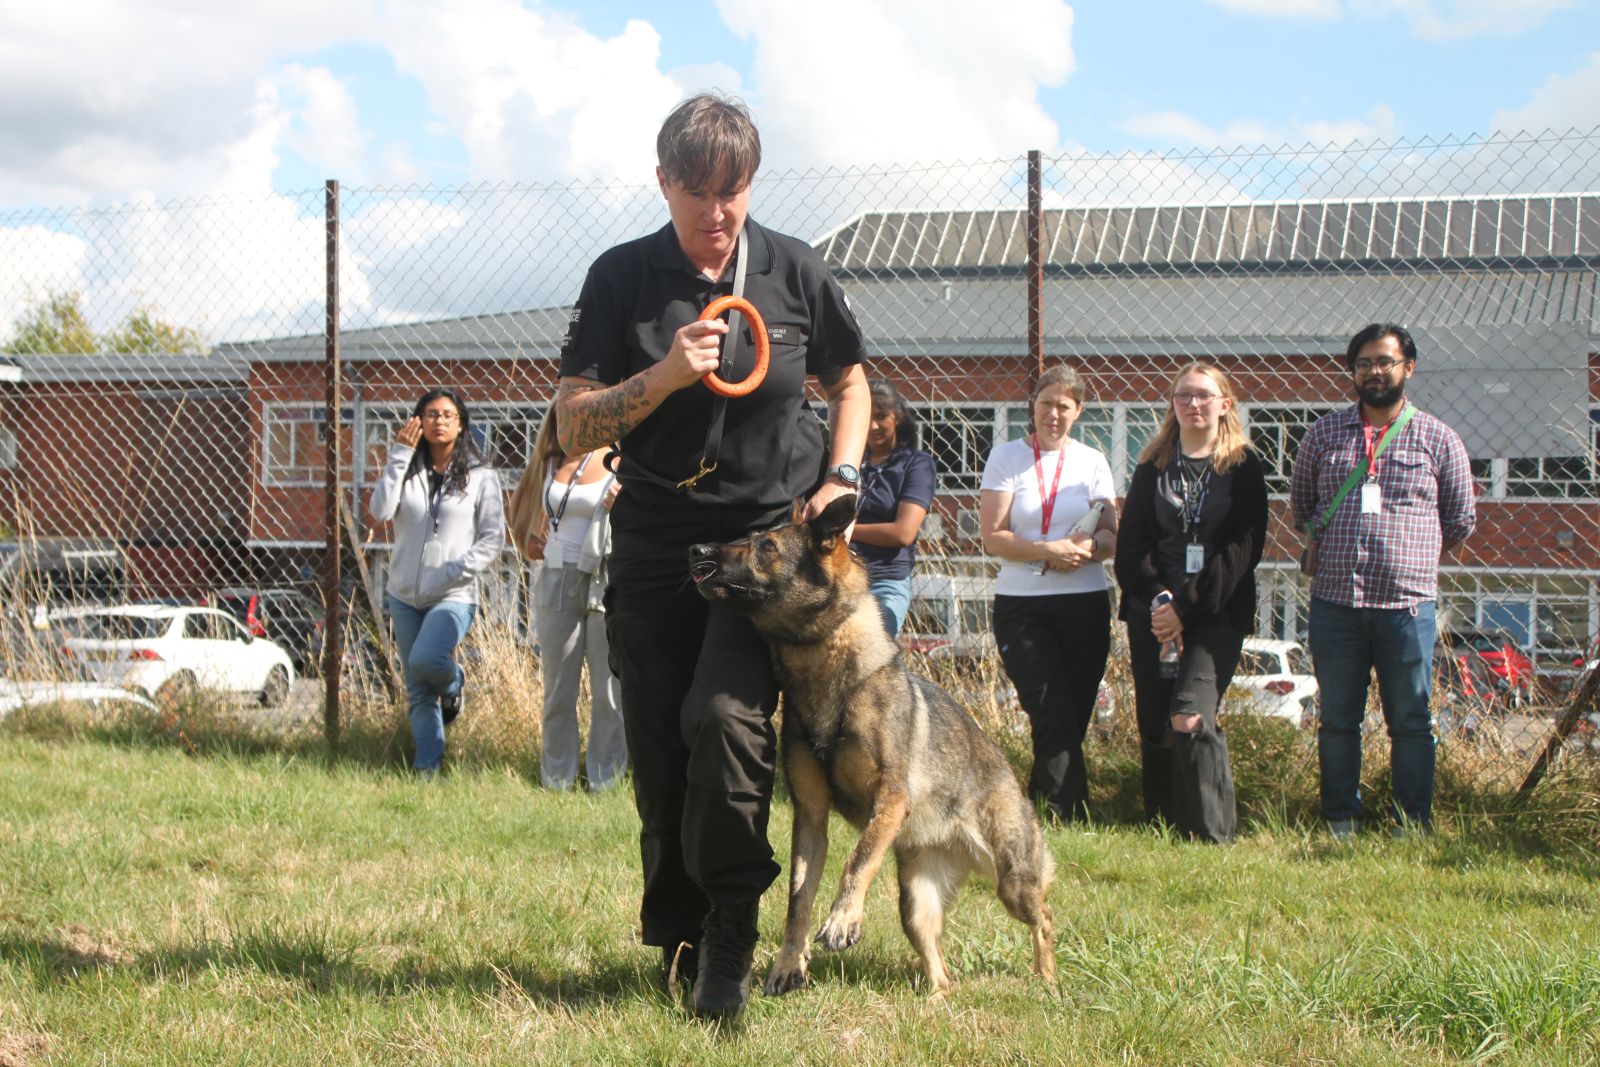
{"type": "Point", "coordinates": [797, 511]}
{"type": "Point", "coordinates": [833, 519]}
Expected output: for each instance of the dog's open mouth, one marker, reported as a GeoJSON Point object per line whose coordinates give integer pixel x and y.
{"type": "Point", "coordinates": [702, 569]}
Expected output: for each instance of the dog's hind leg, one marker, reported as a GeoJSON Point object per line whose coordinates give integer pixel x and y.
{"type": "Point", "coordinates": [925, 890]}
{"type": "Point", "coordinates": [807, 855]}
{"type": "Point", "coordinates": [1020, 883]}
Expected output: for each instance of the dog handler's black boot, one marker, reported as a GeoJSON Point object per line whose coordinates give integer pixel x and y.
{"type": "Point", "coordinates": [727, 954]}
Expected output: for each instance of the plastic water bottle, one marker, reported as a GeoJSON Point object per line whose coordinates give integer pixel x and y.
{"type": "Point", "coordinates": [1167, 659]}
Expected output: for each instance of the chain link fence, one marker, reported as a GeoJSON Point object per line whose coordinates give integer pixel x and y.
{"type": "Point", "coordinates": [164, 423]}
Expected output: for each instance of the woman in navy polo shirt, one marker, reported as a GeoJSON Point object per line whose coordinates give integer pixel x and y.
{"type": "Point", "coordinates": [897, 484]}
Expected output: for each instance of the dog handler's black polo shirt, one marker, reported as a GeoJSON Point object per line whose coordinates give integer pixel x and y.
{"type": "Point", "coordinates": [636, 297]}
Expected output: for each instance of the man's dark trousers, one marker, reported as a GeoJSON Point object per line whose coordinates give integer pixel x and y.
{"type": "Point", "coordinates": [698, 694]}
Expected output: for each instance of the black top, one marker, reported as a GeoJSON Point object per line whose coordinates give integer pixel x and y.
{"type": "Point", "coordinates": [905, 474]}
{"type": "Point", "coordinates": [636, 297]}
{"type": "Point", "coordinates": [1188, 502]}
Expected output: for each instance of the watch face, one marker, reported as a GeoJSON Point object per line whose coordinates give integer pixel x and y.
{"type": "Point", "coordinates": [847, 474]}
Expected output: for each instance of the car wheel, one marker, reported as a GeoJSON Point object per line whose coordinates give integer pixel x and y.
{"type": "Point", "coordinates": [175, 690]}
{"type": "Point", "coordinates": [276, 689]}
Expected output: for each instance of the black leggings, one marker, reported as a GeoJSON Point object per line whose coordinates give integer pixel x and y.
{"type": "Point", "coordinates": [1054, 650]}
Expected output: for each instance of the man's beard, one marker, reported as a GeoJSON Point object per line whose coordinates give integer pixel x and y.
{"type": "Point", "coordinates": [1380, 394]}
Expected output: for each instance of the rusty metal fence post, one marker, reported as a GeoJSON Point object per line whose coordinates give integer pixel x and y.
{"type": "Point", "coordinates": [332, 573]}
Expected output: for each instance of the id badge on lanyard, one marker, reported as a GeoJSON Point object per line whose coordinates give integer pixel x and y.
{"type": "Point", "coordinates": [1371, 497]}
{"type": "Point", "coordinates": [1194, 558]}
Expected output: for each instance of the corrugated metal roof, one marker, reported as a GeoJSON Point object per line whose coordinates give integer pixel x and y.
{"type": "Point", "coordinates": [1303, 233]}
{"type": "Point", "coordinates": [530, 334]}
{"type": "Point", "coordinates": [217, 367]}
{"type": "Point", "coordinates": [962, 316]}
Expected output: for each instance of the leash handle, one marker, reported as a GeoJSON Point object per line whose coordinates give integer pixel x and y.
{"type": "Point", "coordinates": [763, 347]}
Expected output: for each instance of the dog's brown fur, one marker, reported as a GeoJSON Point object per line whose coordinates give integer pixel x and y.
{"type": "Point", "coordinates": [894, 753]}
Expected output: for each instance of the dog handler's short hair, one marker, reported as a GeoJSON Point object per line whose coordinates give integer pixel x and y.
{"type": "Point", "coordinates": [1059, 374]}
{"type": "Point", "coordinates": [706, 138]}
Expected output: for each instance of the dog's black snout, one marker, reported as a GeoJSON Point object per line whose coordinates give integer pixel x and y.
{"type": "Point", "coordinates": [702, 561]}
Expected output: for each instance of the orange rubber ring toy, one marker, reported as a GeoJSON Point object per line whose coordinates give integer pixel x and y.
{"type": "Point", "coordinates": [763, 349]}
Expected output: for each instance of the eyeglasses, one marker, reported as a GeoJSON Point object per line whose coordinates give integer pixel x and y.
{"type": "Point", "coordinates": [1382, 366]}
{"type": "Point", "coordinates": [1197, 399]}
{"type": "Point", "coordinates": [440, 416]}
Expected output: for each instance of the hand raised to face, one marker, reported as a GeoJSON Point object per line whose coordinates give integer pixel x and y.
{"type": "Point", "coordinates": [410, 432]}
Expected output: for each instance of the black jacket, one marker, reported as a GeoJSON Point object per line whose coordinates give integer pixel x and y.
{"type": "Point", "coordinates": [1226, 585]}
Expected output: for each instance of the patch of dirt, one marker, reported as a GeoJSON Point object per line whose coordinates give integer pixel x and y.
{"type": "Point", "coordinates": [20, 1050]}
{"type": "Point", "coordinates": [81, 948]}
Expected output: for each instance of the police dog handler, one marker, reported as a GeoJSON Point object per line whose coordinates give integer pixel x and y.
{"type": "Point", "coordinates": [698, 691]}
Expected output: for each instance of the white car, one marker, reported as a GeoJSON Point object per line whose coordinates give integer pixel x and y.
{"type": "Point", "coordinates": [1276, 679]}
{"type": "Point", "coordinates": [14, 695]}
{"type": "Point", "coordinates": [167, 651]}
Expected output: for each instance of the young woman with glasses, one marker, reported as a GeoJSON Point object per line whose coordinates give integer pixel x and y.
{"type": "Point", "coordinates": [1193, 526]}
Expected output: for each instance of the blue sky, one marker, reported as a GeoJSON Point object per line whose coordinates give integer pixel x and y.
{"type": "Point", "coordinates": [107, 101]}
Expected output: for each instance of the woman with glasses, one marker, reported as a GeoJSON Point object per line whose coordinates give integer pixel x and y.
{"type": "Point", "coordinates": [897, 484]}
{"type": "Point", "coordinates": [1052, 604]}
{"type": "Point", "coordinates": [449, 527]}
{"type": "Point", "coordinates": [1193, 526]}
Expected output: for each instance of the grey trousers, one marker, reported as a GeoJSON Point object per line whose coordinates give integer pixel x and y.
{"type": "Point", "coordinates": [569, 633]}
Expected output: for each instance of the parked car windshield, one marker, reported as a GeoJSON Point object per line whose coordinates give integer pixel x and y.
{"type": "Point", "coordinates": [1299, 661]}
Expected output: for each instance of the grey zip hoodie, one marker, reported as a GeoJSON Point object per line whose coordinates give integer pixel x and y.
{"type": "Point", "coordinates": [469, 529]}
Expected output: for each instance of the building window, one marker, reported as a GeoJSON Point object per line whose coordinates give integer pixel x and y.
{"type": "Point", "coordinates": [960, 440]}
{"type": "Point", "coordinates": [294, 443]}
{"type": "Point", "coordinates": [1276, 433]}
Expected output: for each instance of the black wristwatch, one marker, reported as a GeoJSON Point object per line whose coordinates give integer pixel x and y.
{"type": "Point", "coordinates": [846, 473]}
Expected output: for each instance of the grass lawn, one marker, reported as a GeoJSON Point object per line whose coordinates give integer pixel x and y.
{"type": "Point", "coordinates": [162, 908]}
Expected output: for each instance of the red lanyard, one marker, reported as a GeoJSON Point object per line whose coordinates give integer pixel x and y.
{"type": "Point", "coordinates": [1373, 434]}
{"type": "Point", "coordinates": [1047, 504]}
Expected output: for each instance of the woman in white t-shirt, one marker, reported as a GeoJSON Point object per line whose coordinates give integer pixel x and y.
{"type": "Point", "coordinates": [1052, 605]}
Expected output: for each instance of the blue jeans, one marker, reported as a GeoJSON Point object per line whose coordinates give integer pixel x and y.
{"type": "Point", "coordinates": [428, 641]}
{"type": "Point", "coordinates": [1347, 645]}
{"type": "Point", "coordinates": [894, 597]}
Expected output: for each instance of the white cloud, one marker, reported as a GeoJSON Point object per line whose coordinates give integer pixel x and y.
{"type": "Point", "coordinates": [1177, 128]}
{"type": "Point", "coordinates": [326, 131]}
{"type": "Point", "coordinates": [102, 99]}
{"type": "Point", "coordinates": [1563, 102]}
{"type": "Point", "coordinates": [1432, 20]}
{"type": "Point", "coordinates": [841, 82]}
{"type": "Point", "coordinates": [533, 95]}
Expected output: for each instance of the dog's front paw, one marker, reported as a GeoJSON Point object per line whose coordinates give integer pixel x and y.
{"type": "Point", "coordinates": [785, 978]}
{"type": "Point", "coordinates": [840, 931]}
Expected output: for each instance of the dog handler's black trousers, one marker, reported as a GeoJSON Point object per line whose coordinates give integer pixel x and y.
{"type": "Point", "coordinates": [698, 694]}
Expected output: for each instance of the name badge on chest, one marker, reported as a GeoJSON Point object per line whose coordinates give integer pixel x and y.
{"type": "Point", "coordinates": [1194, 558]}
{"type": "Point", "coordinates": [432, 554]}
{"type": "Point", "coordinates": [1371, 498]}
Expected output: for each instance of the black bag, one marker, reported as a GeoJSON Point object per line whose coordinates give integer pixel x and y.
{"type": "Point", "coordinates": [1202, 786]}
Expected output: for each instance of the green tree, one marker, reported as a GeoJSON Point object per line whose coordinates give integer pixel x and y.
{"type": "Point", "coordinates": [56, 324]}
{"type": "Point", "coordinates": [143, 332]}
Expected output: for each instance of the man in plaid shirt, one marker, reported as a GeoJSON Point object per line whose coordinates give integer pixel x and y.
{"type": "Point", "coordinates": [1377, 573]}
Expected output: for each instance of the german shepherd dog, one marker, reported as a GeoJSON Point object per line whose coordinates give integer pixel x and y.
{"type": "Point", "coordinates": [894, 753]}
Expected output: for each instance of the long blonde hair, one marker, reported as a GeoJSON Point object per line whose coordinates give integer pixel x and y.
{"type": "Point", "coordinates": [527, 522]}
{"type": "Point", "coordinates": [1232, 441]}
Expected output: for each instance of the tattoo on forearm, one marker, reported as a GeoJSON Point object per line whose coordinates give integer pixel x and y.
{"type": "Point", "coordinates": [602, 416]}
{"type": "Point", "coordinates": [831, 377]}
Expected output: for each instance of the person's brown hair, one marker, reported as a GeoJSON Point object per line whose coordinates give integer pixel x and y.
{"type": "Point", "coordinates": [707, 138]}
{"type": "Point", "coordinates": [1063, 375]}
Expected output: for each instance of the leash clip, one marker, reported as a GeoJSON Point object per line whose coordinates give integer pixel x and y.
{"type": "Point", "coordinates": [690, 482]}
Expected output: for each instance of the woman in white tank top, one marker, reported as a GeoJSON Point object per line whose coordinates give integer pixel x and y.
{"type": "Point", "coordinates": [569, 521]}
